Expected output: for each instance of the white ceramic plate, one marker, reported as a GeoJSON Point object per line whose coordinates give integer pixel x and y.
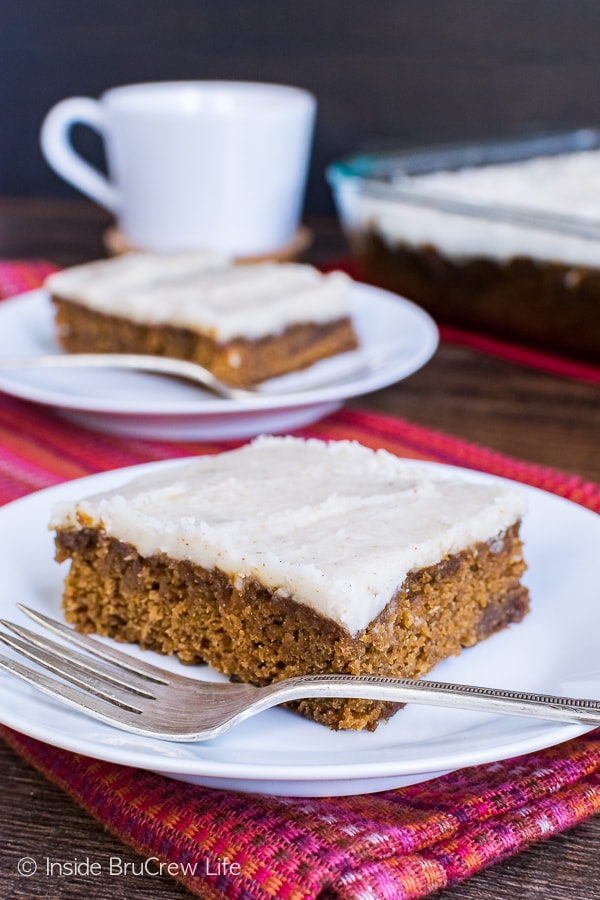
{"type": "Point", "coordinates": [394, 333]}
{"type": "Point", "coordinates": [554, 650]}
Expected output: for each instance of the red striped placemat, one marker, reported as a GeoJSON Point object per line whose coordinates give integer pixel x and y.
{"type": "Point", "coordinates": [403, 843]}
{"type": "Point", "coordinates": [551, 363]}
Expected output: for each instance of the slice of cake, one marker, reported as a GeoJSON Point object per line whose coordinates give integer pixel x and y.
{"type": "Point", "coordinates": [288, 557]}
{"type": "Point", "coordinates": [246, 323]}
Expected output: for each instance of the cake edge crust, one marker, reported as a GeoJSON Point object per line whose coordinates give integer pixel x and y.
{"type": "Point", "coordinates": [240, 361]}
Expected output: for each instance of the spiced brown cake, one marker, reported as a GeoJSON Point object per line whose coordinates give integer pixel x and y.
{"type": "Point", "coordinates": [246, 323]}
{"type": "Point", "coordinates": [287, 557]}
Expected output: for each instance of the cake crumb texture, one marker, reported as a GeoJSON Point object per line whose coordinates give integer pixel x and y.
{"type": "Point", "coordinates": [249, 632]}
{"type": "Point", "coordinates": [246, 323]}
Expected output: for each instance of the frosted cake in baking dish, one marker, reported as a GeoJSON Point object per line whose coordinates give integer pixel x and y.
{"type": "Point", "coordinates": [246, 323]}
{"type": "Point", "coordinates": [291, 556]}
{"type": "Point", "coordinates": [510, 249]}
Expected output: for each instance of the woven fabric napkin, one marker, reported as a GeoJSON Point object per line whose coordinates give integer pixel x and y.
{"type": "Point", "coordinates": [403, 843]}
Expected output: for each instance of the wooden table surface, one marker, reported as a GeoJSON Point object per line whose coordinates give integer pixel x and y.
{"type": "Point", "coordinates": [521, 412]}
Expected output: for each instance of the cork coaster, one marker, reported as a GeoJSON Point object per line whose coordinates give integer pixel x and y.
{"type": "Point", "coordinates": [116, 244]}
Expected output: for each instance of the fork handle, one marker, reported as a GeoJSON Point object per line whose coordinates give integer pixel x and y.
{"type": "Point", "coordinates": [158, 365]}
{"type": "Point", "coordinates": [436, 693]}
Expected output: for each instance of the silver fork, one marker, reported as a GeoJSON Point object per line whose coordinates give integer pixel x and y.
{"type": "Point", "coordinates": [144, 699]}
{"type": "Point", "coordinates": [138, 362]}
{"type": "Point", "coordinates": [179, 368]}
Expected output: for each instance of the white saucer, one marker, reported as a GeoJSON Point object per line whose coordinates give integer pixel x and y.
{"type": "Point", "coordinates": [396, 333]}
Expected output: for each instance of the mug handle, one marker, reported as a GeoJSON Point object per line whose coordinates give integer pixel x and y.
{"type": "Point", "coordinates": [62, 157]}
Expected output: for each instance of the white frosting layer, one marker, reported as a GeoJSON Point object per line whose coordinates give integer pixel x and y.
{"type": "Point", "coordinates": [334, 526]}
{"type": "Point", "coordinates": [131, 271]}
{"type": "Point", "coordinates": [202, 292]}
{"type": "Point", "coordinates": [566, 185]}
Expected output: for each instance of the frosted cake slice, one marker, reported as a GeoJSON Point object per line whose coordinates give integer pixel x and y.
{"type": "Point", "coordinates": [246, 323]}
{"type": "Point", "coordinates": [287, 557]}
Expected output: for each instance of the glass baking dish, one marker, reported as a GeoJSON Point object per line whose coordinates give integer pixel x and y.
{"type": "Point", "coordinates": [499, 236]}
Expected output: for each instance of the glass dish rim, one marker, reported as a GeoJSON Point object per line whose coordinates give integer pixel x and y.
{"type": "Point", "coordinates": [368, 174]}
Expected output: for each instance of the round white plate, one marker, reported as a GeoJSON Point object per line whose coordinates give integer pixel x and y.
{"type": "Point", "coordinates": [396, 338]}
{"type": "Point", "coordinates": [554, 650]}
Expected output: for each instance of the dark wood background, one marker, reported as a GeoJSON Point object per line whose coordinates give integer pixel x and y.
{"type": "Point", "coordinates": [384, 71]}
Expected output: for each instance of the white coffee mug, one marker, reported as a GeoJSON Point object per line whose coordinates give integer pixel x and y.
{"type": "Point", "coordinates": [216, 164]}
